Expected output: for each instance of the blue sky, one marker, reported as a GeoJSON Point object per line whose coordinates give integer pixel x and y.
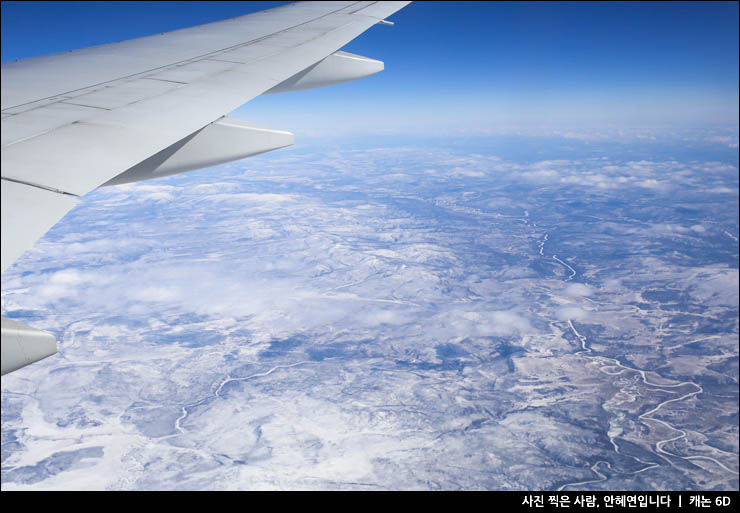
{"type": "Point", "coordinates": [466, 67]}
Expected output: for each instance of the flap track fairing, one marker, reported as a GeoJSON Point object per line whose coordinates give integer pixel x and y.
{"type": "Point", "coordinates": [22, 345]}
{"type": "Point", "coordinates": [337, 68]}
{"type": "Point", "coordinates": [225, 140]}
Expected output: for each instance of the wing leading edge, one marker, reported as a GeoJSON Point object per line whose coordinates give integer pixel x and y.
{"type": "Point", "coordinates": [155, 106]}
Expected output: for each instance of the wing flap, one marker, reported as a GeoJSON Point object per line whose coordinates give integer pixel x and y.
{"type": "Point", "coordinates": [27, 213]}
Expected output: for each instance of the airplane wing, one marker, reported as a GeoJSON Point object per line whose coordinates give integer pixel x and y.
{"type": "Point", "coordinates": [151, 107]}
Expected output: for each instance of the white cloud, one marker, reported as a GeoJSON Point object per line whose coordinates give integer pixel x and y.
{"type": "Point", "coordinates": [155, 294]}
{"type": "Point", "coordinates": [573, 313]}
{"type": "Point", "coordinates": [731, 141]}
{"type": "Point", "coordinates": [578, 290]}
{"type": "Point", "coordinates": [722, 190]}
{"type": "Point", "coordinates": [67, 277]}
{"type": "Point", "coordinates": [508, 323]}
{"type": "Point", "coordinates": [652, 183]}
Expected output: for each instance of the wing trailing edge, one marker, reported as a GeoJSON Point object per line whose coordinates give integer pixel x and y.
{"type": "Point", "coordinates": [22, 226]}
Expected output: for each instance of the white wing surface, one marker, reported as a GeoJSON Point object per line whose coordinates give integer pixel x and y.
{"type": "Point", "coordinates": [154, 106]}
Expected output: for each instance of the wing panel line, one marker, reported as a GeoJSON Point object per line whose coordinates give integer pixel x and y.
{"type": "Point", "coordinates": [44, 187]}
